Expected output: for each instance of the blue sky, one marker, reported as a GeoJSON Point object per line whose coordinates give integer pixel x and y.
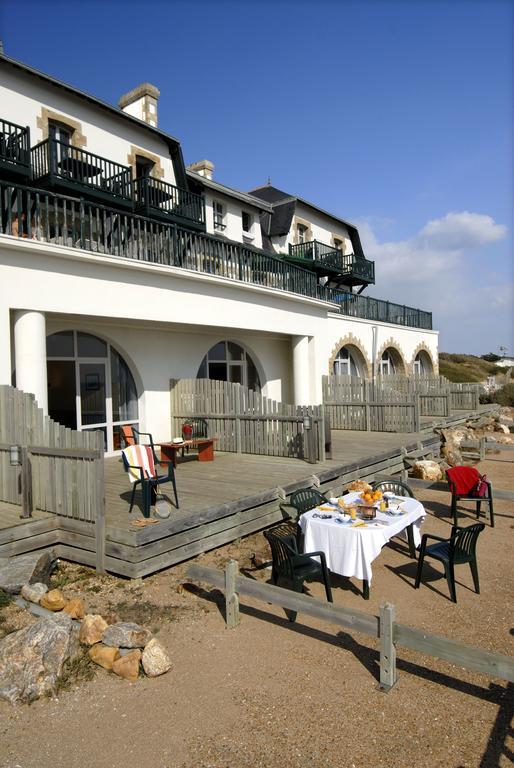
{"type": "Point", "coordinates": [397, 116]}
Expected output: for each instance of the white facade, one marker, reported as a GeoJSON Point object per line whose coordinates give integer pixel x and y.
{"type": "Point", "coordinates": [320, 226]}
{"type": "Point", "coordinates": [232, 218]}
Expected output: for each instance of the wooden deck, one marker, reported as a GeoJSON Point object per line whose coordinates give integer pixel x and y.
{"type": "Point", "coordinates": [220, 501]}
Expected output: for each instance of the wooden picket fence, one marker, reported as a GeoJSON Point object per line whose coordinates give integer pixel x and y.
{"type": "Point", "coordinates": [438, 395]}
{"type": "Point", "coordinates": [63, 469]}
{"type": "Point", "coordinates": [244, 421]}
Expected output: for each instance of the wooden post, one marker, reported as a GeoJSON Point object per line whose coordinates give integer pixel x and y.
{"type": "Point", "coordinates": [231, 596]}
{"type": "Point", "coordinates": [388, 675]}
{"type": "Point", "coordinates": [482, 449]}
{"type": "Point", "coordinates": [26, 483]}
{"type": "Point", "coordinates": [238, 434]}
{"type": "Point", "coordinates": [100, 509]}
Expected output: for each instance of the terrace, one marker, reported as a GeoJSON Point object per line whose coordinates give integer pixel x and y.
{"type": "Point", "coordinates": [14, 150]}
{"type": "Point", "coordinates": [43, 215]}
{"type": "Point", "coordinates": [326, 260]}
{"type": "Point", "coordinates": [157, 198]}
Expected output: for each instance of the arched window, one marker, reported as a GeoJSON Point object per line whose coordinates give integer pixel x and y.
{"type": "Point", "coordinates": [422, 364]}
{"type": "Point", "coordinates": [90, 386]}
{"type": "Point", "coordinates": [387, 366]}
{"type": "Point", "coordinates": [227, 361]}
{"type": "Point", "coordinates": [346, 363]}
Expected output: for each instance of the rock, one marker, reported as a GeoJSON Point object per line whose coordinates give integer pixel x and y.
{"type": "Point", "coordinates": [504, 440]}
{"type": "Point", "coordinates": [452, 455]}
{"type": "Point", "coordinates": [128, 666]}
{"type": "Point", "coordinates": [427, 470]}
{"type": "Point", "coordinates": [104, 655]}
{"type": "Point", "coordinates": [92, 628]}
{"type": "Point", "coordinates": [75, 608]}
{"type": "Point", "coordinates": [53, 600]}
{"type": "Point", "coordinates": [502, 428]}
{"type": "Point", "coordinates": [34, 592]}
{"type": "Point", "coordinates": [155, 660]}
{"type": "Point", "coordinates": [125, 634]}
{"type": "Point", "coordinates": [31, 659]}
{"type": "Point", "coordinates": [25, 569]}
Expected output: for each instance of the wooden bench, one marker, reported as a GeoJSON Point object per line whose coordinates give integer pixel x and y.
{"type": "Point", "coordinates": [205, 447]}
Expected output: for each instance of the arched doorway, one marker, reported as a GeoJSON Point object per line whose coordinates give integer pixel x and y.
{"type": "Point", "coordinates": [227, 361]}
{"type": "Point", "coordinates": [422, 365]}
{"type": "Point", "coordinates": [90, 386]}
{"type": "Point", "coordinates": [391, 362]}
{"type": "Point", "coordinates": [348, 361]}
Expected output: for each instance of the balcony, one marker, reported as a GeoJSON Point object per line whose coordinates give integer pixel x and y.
{"type": "Point", "coordinates": [156, 198]}
{"type": "Point", "coordinates": [328, 261]}
{"type": "Point", "coordinates": [14, 150]}
{"type": "Point", "coordinates": [42, 215]}
{"type": "Point", "coordinates": [73, 170]}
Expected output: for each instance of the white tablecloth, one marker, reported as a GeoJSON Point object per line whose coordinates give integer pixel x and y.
{"type": "Point", "coordinates": [350, 551]}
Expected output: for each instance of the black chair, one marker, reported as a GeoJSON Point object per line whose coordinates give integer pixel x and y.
{"type": "Point", "coordinates": [289, 564]}
{"type": "Point", "coordinates": [149, 485]}
{"type": "Point", "coordinates": [469, 494]}
{"type": "Point", "coordinates": [399, 489]}
{"type": "Point", "coordinates": [305, 499]}
{"type": "Point", "coordinates": [459, 548]}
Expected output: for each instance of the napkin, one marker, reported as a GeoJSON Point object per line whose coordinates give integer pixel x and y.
{"type": "Point", "coordinates": [358, 524]}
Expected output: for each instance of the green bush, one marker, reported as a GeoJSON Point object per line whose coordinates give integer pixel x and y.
{"type": "Point", "coordinates": [505, 395]}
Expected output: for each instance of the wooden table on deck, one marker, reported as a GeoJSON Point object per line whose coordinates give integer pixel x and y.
{"type": "Point", "coordinates": [205, 447]}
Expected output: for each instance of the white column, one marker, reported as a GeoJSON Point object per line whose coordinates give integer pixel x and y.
{"type": "Point", "coordinates": [301, 370]}
{"type": "Point", "coordinates": [5, 347]}
{"type": "Point", "coordinates": [30, 354]}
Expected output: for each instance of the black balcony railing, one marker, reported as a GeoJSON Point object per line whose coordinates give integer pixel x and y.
{"type": "Point", "coordinates": [155, 197]}
{"type": "Point", "coordinates": [14, 148]}
{"type": "Point", "coordinates": [81, 171]}
{"type": "Point", "coordinates": [369, 308]}
{"type": "Point", "coordinates": [78, 223]}
{"type": "Point", "coordinates": [332, 258]}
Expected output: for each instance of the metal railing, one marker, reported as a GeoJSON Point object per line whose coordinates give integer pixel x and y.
{"type": "Point", "coordinates": [331, 257]}
{"type": "Point", "coordinates": [14, 146]}
{"type": "Point", "coordinates": [155, 196]}
{"type": "Point", "coordinates": [379, 310]}
{"type": "Point", "coordinates": [77, 223]}
{"type": "Point", "coordinates": [358, 268]}
{"type": "Point", "coordinates": [77, 167]}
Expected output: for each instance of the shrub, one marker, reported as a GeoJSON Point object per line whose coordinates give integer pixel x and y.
{"type": "Point", "coordinates": [505, 395]}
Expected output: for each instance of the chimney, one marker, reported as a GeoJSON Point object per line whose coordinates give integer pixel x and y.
{"type": "Point", "coordinates": [141, 102]}
{"type": "Point", "coordinates": [203, 167]}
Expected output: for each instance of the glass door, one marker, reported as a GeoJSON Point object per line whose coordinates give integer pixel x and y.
{"type": "Point", "coordinates": [92, 397]}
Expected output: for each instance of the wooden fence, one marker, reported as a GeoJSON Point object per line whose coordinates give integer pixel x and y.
{"type": "Point", "coordinates": [66, 466]}
{"type": "Point", "coordinates": [244, 421]}
{"type": "Point", "coordinates": [385, 626]}
{"type": "Point", "coordinates": [439, 396]}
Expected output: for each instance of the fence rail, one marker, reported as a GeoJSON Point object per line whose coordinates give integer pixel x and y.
{"type": "Point", "coordinates": [76, 223]}
{"type": "Point", "coordinates": [385, 626]}
{"type": "Point", "coordinates": [245, 421]}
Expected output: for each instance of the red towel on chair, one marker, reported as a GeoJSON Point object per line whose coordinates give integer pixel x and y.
{"type": "Point", "coordinates": [465, 479]}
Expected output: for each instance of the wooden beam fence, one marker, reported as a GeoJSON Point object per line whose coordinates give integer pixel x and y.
{"type": "Point", "coordinates": [385, 627]}
{"type": "Point", "coordinates": [244, 421]}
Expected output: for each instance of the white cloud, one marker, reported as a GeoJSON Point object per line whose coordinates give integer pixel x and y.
{"type": "Point", "coordinates": [434, 270]}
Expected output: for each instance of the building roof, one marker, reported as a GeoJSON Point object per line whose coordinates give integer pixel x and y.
{"type": "Point", "coordinates": [244, 197]}
{"type": "Point", "coordinates": [283, 210]}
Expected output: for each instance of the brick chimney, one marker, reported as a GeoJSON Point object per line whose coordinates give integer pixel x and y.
{"type": "Point", "coordinates": [203, 167]}
{"type": "Point", "coordinates": [141, 102]}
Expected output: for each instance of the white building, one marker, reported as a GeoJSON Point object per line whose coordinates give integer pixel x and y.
{"type": "Point", "coordinates": [121, 270]}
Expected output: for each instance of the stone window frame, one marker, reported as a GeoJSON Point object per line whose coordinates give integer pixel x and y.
{"type": "Point", "coordinates": [422, 347]}
{"type": "Point", "coordinates": [342, 239]}
{"type": "Point", "coordinates": [394, 345]}
{"type": "Point", "coordinates": [47, 116]}
{"type": "Point", "coordinates": [351, 341]}
{"type": "Point", "coordinates": [303, 223]}
{"type": "Point", "coordinates": [135, 152]}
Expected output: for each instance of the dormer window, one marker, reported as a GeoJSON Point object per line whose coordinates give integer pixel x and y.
{"type": "Point", "coordinates": [301, 233]}
{"type": "Point", "coordinates": [144, 167]}
{"type": "Point", "coordinates": [60, 132]}
{"type": "Point", "coordinates": [60, 141]}
{"type": "Point", "coordinates": [218, 213]}
{"type": "Point", "coordinates": [338, 244]}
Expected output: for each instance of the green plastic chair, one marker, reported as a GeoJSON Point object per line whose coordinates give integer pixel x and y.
{"type": "Point", "coordinates": [393, 486]}
{"type": "Point", "coordinates": [289, 564]}
{"type": "Point", "coordinates": [458, 549]}
{"type": "Point", "coordinates": [305, 499]}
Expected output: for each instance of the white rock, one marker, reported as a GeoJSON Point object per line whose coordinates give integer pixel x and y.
{"type": "Point", "coordinates": [34, 592]}
{"type": "Point", "coordinates": [155, 660]}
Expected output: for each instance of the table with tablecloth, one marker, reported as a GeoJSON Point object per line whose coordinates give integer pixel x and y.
{"type": "Point", "coordinates": [351, 549]}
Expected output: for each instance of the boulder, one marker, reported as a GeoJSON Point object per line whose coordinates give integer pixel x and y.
{"type": "Point", "coordinates": [504, 439]}
{"type": "Point", "coordinates": [25, 569]}
{"type": "Point", "coordinates": [92, 628]}
{"type": "Point", "coordinates": [125, 634]}
{"type": "Point", "coordinates": [75, 608]}
{"type": "Point", "coordinates": [53, 600]}
{"type": "Point", "coordinates": [128, 666]}
{"type": "Point", "coordinates": [502, 428]}
{"type": "Point", "coordinates": [451, 455]}
{"type": "Point", "coordinates": [34, 592]}
{"type": "Point", "coordinates": [155, 660]}
{"type": "Point", "coordinates": [31, 659]}
{"type": "Point", "coordinates": [427, 470]}
{"type": "Point", "coordinates": [104, 655]}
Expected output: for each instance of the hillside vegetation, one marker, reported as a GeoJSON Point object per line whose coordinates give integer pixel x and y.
{"type": "Point", "coordinates": [466, 367]}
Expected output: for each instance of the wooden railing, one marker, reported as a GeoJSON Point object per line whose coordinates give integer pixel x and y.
{"type": "Point", "coordinates": [244, 421]}
{"type": "Point", "coordinates": [156, 196]}
{"type": "Point", "coordinates": [77, 167]}
{"type": "Point", "coordinates": [385, 627]}
{"type": "Point", "coordinates": [78, 223]}
{"type": "Point", "coordinates": [14, 147]}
